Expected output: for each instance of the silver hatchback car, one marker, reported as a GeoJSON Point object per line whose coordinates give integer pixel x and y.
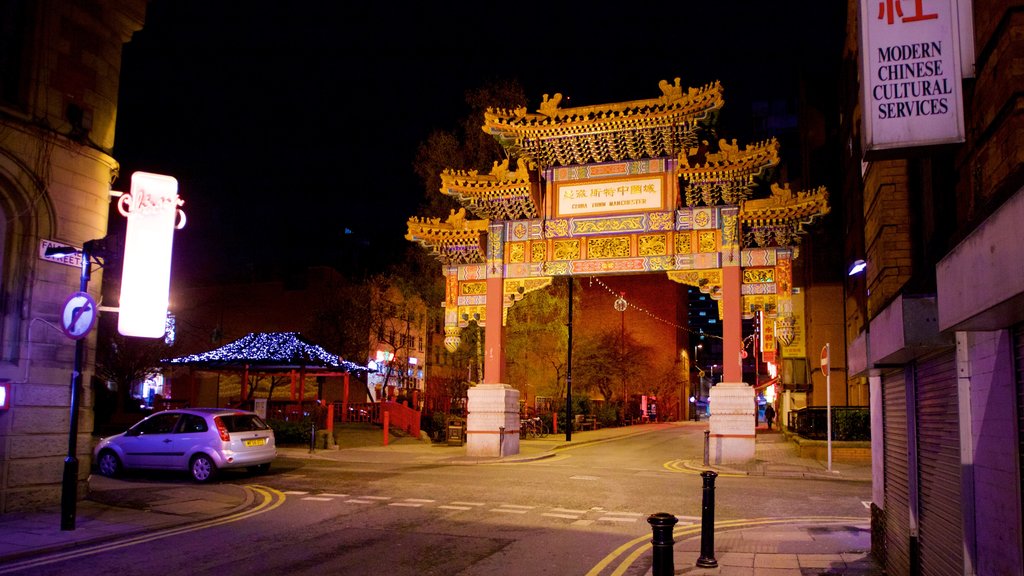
{"type": "Point", "coordinates": [200, 440]}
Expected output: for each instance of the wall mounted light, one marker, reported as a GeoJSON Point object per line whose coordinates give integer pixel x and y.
{"type": "Point", "coordinates": [857, 267]}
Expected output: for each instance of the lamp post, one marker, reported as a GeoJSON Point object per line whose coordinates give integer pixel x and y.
{"type": "Point", "coordinates": [69, 484]}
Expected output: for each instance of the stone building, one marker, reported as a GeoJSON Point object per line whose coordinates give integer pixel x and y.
{"type": "Point", "coordinates": [59, 74]}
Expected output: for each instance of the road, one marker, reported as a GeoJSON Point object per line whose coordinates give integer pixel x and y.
{"type": "Point", "coordinates": [561, 516]}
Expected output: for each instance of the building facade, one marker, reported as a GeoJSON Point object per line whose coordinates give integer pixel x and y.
{"type": "Point", "coordinates": [935, 323]}
{"type": "Point", "coordinates": [60, 72]}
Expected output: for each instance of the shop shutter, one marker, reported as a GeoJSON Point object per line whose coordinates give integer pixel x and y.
{"type": "Point", "coordinates": [939, 473]}
{"type": "Point", "coordinates": [1018, 360]}
{"type": "Point", "coordinates": [897, 488]}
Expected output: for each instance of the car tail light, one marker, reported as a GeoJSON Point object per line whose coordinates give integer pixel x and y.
{"type": "Point", "coordinates": [222, 429]}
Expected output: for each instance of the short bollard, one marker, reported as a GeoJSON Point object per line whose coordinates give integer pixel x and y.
{"type": "Point", "coordinates": [661, 543]}
{"type": "Point", "coordinates": [312, 438]}
{"type": "Point", "coordinates": [707, 522]}
{"type": "Point", "coordinates": [707, 446]}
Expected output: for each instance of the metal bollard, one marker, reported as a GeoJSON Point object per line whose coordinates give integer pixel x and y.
{"type": "Point", "coordinates": [707, 522]}
{"type": "Point", "coordinates": [707, 446]}
{"type": "Point", "coordinates": [661, 543]}
{"type": "Point", "coordinates": [312, 438]}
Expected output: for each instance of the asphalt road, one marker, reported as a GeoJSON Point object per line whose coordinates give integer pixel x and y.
{"type": "Point", "coordinates": [561, 516]}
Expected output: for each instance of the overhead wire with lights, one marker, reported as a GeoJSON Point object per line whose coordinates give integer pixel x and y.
{"type": "Point", "coordinates": [621, 304]}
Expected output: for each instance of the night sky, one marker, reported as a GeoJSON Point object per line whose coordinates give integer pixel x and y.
{"type": "Point", "coordinates": [287, 122]}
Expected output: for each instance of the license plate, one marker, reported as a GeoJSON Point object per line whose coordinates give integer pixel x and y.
{"type": "Point", "coordinates": [256, 442]}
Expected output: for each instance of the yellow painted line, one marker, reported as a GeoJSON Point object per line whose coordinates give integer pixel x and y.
{"type": "Point", "coordinates": [680, 467]}
{"type": "Point", "coordinates": [643, 543]}
{"type": "Point", "coordinates": [271, 499]}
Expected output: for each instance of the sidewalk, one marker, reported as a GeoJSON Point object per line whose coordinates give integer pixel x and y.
{"type": "Point", "coordinates": [123, 508]}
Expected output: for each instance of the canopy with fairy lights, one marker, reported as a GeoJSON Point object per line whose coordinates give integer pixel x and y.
{"type": "Point", "coordinates": [268, 352]}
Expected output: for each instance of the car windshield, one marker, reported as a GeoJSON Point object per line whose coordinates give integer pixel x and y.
{"type": "Point", "coordinates": [243, 422]}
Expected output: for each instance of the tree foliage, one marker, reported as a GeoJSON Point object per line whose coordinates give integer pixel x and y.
{"type": "Point", "coordinates": [536, 341]}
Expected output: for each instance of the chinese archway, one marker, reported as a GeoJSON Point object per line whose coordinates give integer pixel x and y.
{"type": "Point", "coordinates": [622, 188]}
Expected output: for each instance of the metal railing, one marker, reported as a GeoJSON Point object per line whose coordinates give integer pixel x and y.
{"type": "Point", "coordinates": [849, 423]}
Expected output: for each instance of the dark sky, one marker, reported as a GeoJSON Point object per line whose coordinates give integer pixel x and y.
{"type": "Point", "coordinates": [287, 122]}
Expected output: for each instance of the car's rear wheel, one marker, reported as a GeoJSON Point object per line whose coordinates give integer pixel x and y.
{"type": "Point", "coordinates": [260, 468]}
{"type": "Point", "coordinates": [202, 468]}
{"type": "Point", "coordinates": [109, 464]}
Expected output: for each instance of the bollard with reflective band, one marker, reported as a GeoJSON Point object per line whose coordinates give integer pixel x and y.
{"type": "Point", "coordinates": [707, 522]}
{"type": "Point", "coordinates": [661, 543]}
{"type": "Point", "coordinates": [707, 445]}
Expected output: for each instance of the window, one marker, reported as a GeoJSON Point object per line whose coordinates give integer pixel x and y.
{"type": "Point", "coordinates": [158, 424]}
{"type": "Point", "coordinates": [191, 423]}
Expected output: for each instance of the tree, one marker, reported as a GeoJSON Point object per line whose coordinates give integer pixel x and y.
{"type": "Point", "coordinates": [537, 339]}
{"type": "Point", "coordinates": [126, 361]}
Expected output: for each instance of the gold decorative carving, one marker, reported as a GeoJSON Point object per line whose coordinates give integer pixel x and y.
{"type": "Point", "coordinates": [609, 247]}
{"type": "Point", "coordinates": [652, 245]}
{"type": "Point", "coordinates": [538, 251]}
{"type": "Point", "coordinates": [758, 275]}
{"type": "Point", "coordinates": [683, 242]}
{"type": "Point", "coordinates": [566, 249]}
{"type": "Point", "coordinates": [472, 288]}
{"type": "Point", "coordinates": [452, 338]}
{"type": "Point", "coordinates": [707, 241]}
{"type": "Point", "coordinates": [516, 252]}
{"type": "Point", "coordinates": [556, 228]}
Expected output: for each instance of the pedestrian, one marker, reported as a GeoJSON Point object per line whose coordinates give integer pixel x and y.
{"type": "Point", "coordinates": [769, 415]}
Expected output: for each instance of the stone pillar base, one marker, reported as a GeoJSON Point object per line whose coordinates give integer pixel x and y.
{"type": "Point", "coordinates": [731, 423]}
{"type": "Point", "coordinates": [492, 422]}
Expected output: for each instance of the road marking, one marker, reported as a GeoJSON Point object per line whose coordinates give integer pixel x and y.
{"type": "Point", "coordinates": [270, 499]}
{"type": "Point", "coordinates": [333, 495]}
{"type": "Point", "coordinates": [420, 500]}
{"type": "Point", "coordinates": [642, 545]}
{"type": "Point", "coordinates": [517, 506]}
{"type": "Point", "coordinates": [318, 499]}
{"type": "Point", "coordinates": [295, 492]}
{"type": "Point", "coordinates": [468, 503]}
{"type": "Point", "coordinates": [616, 519]}
{"type": "Point", "coordinates": [450, 507]}
{"type": "Point", "coordinates": [509, 510]}
{"type": "Point", "coordinates": [406, 504]}
{"type": "Point", "coordinates": [357, 501]}
{"type": "Point", "coordinates": [569, 511]}
{"type": "Point", "coordinates": [584, 477]}
{"type": "Point", "coordinates": [557, 515]}
{"type": "Point", "coordinates": [866, 503]}
{"type": "Point", "coordinates": [376, 497]}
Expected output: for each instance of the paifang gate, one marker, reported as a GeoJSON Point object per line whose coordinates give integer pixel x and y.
{"type": "Point", "coordinates": [622, 188]}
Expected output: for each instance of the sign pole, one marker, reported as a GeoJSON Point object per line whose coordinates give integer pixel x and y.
{"type": "Point", "coordinates": [826, 369]}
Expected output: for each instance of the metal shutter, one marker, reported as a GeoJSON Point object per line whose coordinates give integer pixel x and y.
{"type": "Point", "coordinates": [939, 482]}
{"type": "Point", "coordinates": [1018, 357]}
{"type": "Point", "coordinates": [897, 507]}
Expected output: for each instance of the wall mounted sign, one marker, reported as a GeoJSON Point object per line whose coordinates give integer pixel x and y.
{"type": "Point", "coordinates": [78, 315]}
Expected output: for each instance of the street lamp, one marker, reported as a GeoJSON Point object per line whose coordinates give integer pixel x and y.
{"type": "Point", "coordinates": [69, 486]}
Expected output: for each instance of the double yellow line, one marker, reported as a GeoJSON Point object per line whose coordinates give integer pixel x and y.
{"type": "Point", "coordinates": [641, 545]}
{"type": "Point", "coordinates": [680, 466]}
{"type": "Point", "coordinates": [269, 500]}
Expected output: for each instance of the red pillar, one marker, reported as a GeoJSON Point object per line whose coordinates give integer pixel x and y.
{"type": "Point", "coordinates": [732, 325]}
{"type": "Point", "coordinates": [494, 333]}
{"type": "Point", "coordinates": [344, 402]}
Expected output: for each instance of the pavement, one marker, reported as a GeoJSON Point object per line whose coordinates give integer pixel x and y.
{"type": "Point", "coordinates": [124, 509]}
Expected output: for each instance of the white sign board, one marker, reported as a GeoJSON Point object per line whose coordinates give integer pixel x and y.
{"type": "Point", "coordinates": [152, 211]}
{"type": "Point", "coordinates": [910, 74]}
{"type": "Point", "coordinates": [610, 197]}
{"type": "Point", "coordinates": [73, 259]}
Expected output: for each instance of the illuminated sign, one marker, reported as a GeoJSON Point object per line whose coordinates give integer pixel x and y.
{"type": "Point", "coordinates": [73, 259]}
{"type": "Point", "coordinates": [611, 197]}
{"type": "Point", "coordinates": [5, 395]}
{"type": "Point", "coordinates": [152, 212]}
{"type": "Point", "coordinates": [910, 73]}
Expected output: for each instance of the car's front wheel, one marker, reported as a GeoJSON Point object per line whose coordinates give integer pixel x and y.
{"type": "Point", "coordinates": [202, 468]}
{"type": "Point", "coordinates": [109, 464]}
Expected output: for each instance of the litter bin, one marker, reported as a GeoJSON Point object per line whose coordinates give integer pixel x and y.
{"type": "Point", "coordinates": [456, 431]}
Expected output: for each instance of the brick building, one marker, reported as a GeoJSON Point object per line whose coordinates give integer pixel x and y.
{"type": "Point", "coordinates": [935, 324]}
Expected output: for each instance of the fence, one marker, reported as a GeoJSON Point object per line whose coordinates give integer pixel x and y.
{"type": "Point", "coordinates": [849, 423]}
{"type": "Point", "coordinates": [399, 415]}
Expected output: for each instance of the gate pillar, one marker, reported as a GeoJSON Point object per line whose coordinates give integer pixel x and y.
{"type": "Point", "coordinates": [732, 422]}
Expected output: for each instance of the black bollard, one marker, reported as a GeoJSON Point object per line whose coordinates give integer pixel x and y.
{"type": "Point", "coordinates": [707, 522]}
{"type": "Point", "coordinates": [707, 446]}
{"type": "Point", "coordinates": [312, 438]}
{"type": "Point", "coordinates": [661, 543]}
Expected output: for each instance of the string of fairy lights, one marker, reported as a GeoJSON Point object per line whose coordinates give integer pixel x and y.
{"type": "Point", "coordinates": [621, 304]}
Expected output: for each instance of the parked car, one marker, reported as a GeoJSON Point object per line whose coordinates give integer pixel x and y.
{"type": "Point", "coordinates": [199, 440]}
